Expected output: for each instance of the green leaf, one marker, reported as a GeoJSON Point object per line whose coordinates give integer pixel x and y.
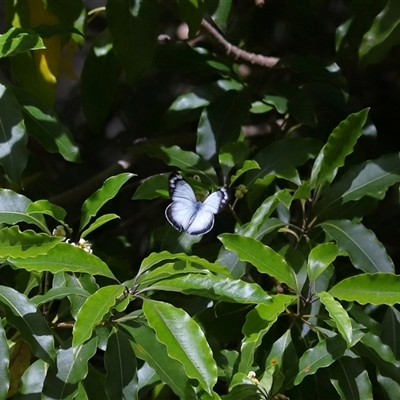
{"type": "Point", "coordinates": [281, 159]}
{"type": "Point", "coordinates": [13, 137]}
{"type": "Point", "coordinates": [214, 287]}
{"type": "Point", "coordinates": [279, 102]}
{"type": "Point", "coordinates": [382, 35]}
{"type": "Point", "coordinates": [389, 385]}
{"type": "Point", "coordinates": [152, 188]}
{"type": "Point", "coordinates": [191, 12]}
{"type": "Point", "coordinates": [391, 330]}
{"type": "Point", "coordinates": [184, 160]}
{"type": "Point", "coordinates": [44, 125]}
{"type": "Point", "coordinates": [32, 381]}
{"type": "Point", "coordinates": [99, 79]}
{"type": "Point", "coordinates": [14, 243]}
{"type": "Point", "coordinates": [339, 316]}
{"type": "Point", "coordinates": [120, 364]}
{"type": "Point", "coordinates": [320, 356]}
{"type": "Point", "coordinates": [258, 322]}
{"type": "Point", "coordinates": [64, 257]}
{"type": "Point", "coordinates": [148, 348]}
{"type": "Point", "coordinates": [340, 144]}
{"type": "Point", "coordinates": [18, 40]}
{"type": "Point", "coordinates": [13, 209]}
{"type": "Point", "coordinates": [99, 222]}
{"type": "Point", "coordinates": [24, 315]}
{"type": "Point", "coordinates": [108, 191]}
{"type": "Point", "coordinates": [248, 165]}
{"type": "Point", "coordinates": [221, 122]}
{"type": "Point", "coordinates": [58, 294]}
{"type": "Point", "coordinates": [259, 107]}
{"type": "Point", "coordinates": [371, 346]}
{"type": "Point", "coordinates": [371, 178]}
{"type": "Point", "coordinates": [184, 339]}
{"type": "Point", "coordinates": [4, 363]}
{"type": "Point", "coordinates": [362, 246]}
{"type": "Point", "coordinates": [266, 260]}
{"type": "Point", "coordinates": [93, 311]}
{"type": "Point", "coordinates": [72, 366]}
{"type": "Point", "coordinates": [350, 378]}
{"type": "Point", "coordinates": [379, 288]}
{"type": "Point", "coordinates": [219, 11]}
{"type": "Point", "coordinates": [319, 259]}
{"type": "Point", "coordinates": [133, 25]}
{"type": "Point", "coordinates": [155, 258]}
{"type": "Point", "coordinates": [47, 208]}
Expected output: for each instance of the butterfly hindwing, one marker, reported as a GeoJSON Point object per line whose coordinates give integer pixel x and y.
{"type": "Point", "coordinates": [186, 213]}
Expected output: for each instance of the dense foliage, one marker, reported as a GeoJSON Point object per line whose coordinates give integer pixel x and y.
{"type": "Point", "coordinates": [293, 292]}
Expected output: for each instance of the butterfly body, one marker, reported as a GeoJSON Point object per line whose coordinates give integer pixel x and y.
{"type": "Point", "coordinates": [186, 213]}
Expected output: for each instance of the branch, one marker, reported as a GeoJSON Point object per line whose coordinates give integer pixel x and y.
{"type": "Point", "coordinates": [236, 52]}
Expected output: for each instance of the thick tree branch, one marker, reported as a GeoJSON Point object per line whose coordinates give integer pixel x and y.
{"type": "Point", "coordinates": [236, 52]}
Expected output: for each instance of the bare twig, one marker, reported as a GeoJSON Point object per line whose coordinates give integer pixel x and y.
{"type": "Point", "coordinates": [236, 52]}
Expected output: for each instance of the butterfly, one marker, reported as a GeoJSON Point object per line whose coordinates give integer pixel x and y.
{"type": "Point", "coordinates": [186, 213]}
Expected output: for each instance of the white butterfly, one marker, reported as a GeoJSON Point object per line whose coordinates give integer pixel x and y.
{"type": "Point", "coordinates": [186, 213]}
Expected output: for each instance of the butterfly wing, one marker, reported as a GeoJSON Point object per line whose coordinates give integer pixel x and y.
{"type": "Point", "coordinates": [203, 221]}
{"type": "Point", "coordinates": [181, 212]}
{"type": "Point", "coordinates": [185, 213]}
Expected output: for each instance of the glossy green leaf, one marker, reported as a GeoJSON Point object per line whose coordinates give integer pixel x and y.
{"type": "Point", "coordinates": [361, 244]}
{"type": "Point", "coordinates": [184, 160]}
{"type": "Point", "coordinates": [382, 35]}
{"type": "Point", "coordinates": [280, 103]}
{"type": "Point", "coordinates": [371, 346]}
{"type": "Point", "coordinates": [32, 381]}
{"type": "Point", "coordinates": [24, 316]}
{"type": "Point", "coordinates": [282, 355]}
{"type": "Point", "coordinates": [14, 243]}
{"type": "Point", "coordinates": [152, 188]}
{"type": "Point", "coordinates": [281, 159]}
{"type": "Point", "coordinates": [133, 26]}
{"type": "Point", "coordinates": [47, 208]}
{"type": "Point", "coordinates": [99, 79]}
{"type": "Point", "coordinates": [120, 363]}
{"type": "Point", "coordinates": [13, 209]}
{"type": "Point", "coordinates": [339, 145]}
{"type": "Point", "coordinates": [378, 288]}
{"type": "Point", "coordinates": [99, 222]}
{"type": "Point", "coordinates": [94, 384]}
{"type": "Point", "coordinates": [319, 259]}
{"type": "Point", "coordinates": [72, 366]}
{"type": "Point", "coordinates": [389, 385]}
{"type": "Point", "coordinates": [371, 178]}
{"type": "Point", "coordinates": [17, 40]}
{"type": "Point", "coordinates": [155, 258]}
{"type": "Point", "coordinates": [258, 322]}
{"type": "Point", "coordinates": [93, 311]}
{"type": "Point", "coordinates": [108, 191]}
{"type": "Point", "coordinates": [44, 125]}
{"type": "Point", "coordinates": [221, 122]}
{"type": "Point", "coordinates": [191, 12]}
{"type": "Point", "coordinates": [219, 11]}
{"type": "Point", "coordinates": [350, 378]}
{"type": "Point", "coordinates": [13, 137]}
{"type": "Point", "coordinates": [320, 356]}
{"type": "Point", "coordinates": [214, 287]}
{"type": "Point", "coordinates": [248, 165]}
{"type": "Point", "coordinates": [4, 363]}
{"type": "Point", "coordinates": [184, 339]}
{"type": "Point", "coordinates": [391, 330]}
{"type": "Point", "coordinates": [64, 257]}
{"type": "Point", "coordinates": [339, 316]}
{"type": "Point", "coordinates": [148, 348]}
{"type": "Point", "coordinates": [58, 294]}
{"type": "Point", "coordinates": [266, 260]}
{"type": "Point", "coordinates": [259, 107]}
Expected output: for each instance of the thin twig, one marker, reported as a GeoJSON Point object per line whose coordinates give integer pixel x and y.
{"type": "Point", "coordinates": [236, 52]}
